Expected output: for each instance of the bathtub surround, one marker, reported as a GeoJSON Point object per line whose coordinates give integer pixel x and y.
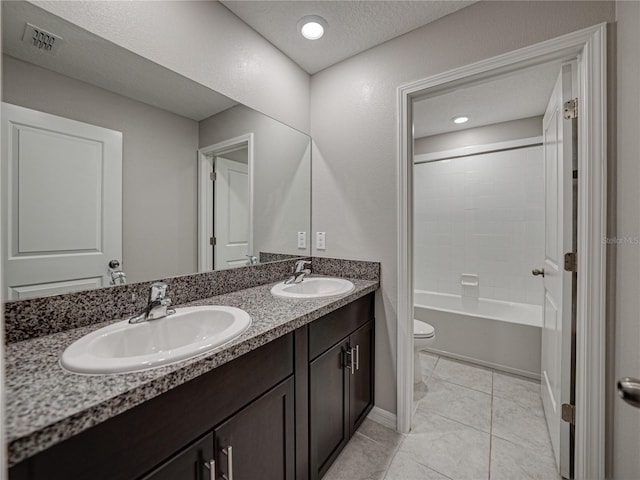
{"type": "Point", "coordinates": [481, 214]}
{"type": "Point", "coordinates": [26, 319]}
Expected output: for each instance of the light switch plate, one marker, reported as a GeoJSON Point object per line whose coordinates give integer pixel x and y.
{"type": "Point", "coordinates": [320, 241]}
{"type": "Point", "coordinates": [302, 239]}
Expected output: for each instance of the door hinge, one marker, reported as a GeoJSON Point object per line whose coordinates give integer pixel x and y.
{"type": "Point", "coordinates": [213, 176]}
{"type": "Point", "coordinates": [212, 241]}
{"type": "Point", "coordinates": [570, 109]}
{"type": "Point", "coordinates": [569, 413]}
{"type": "Point", "coordinates": [571, 262]}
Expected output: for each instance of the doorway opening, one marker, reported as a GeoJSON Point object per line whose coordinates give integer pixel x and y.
{"type": "Point", "coordinates": [580, 58]}
{"type": "Point", "coordinates": [225, 204]}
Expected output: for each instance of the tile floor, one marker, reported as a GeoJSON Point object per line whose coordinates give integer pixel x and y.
{"type": "Point", "coordinates": [470, 423]}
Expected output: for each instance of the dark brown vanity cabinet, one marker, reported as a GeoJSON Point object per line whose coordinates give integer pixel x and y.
{"type": "Point", "coordinates": [340, 380]}
{"type": "Point", "coordinates": [190, 464]}
{"type": "Point", "coordinates": [257, 442]}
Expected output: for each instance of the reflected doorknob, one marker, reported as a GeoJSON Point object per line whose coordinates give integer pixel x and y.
{"type": "Point", "coordinates": [629, 391]}
{"type": "Point", "coordinates": [538, 271]}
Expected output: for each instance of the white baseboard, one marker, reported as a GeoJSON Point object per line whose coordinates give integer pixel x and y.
{"type": "Point", "coordinates": [383, 417]}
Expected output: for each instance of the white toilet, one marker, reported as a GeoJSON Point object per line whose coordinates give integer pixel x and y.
{"type": "Point", "coordinates": [423, 335]}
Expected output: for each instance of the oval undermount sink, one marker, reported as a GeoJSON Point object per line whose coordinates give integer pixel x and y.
{"type": "Point", "coordinates": [313, 287]}
{"type": "Point", "coordinates": [124, 347]}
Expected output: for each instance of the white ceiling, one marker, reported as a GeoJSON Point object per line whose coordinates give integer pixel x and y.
{"type": "Point", "coordinates": [89, 58]}
{"type": "Point", "coordinates": [522, 94]}
{"type": "Point", "coordinates": [353, 26]}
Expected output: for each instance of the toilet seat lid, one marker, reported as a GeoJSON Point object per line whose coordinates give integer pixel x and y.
{"type": "Point", "coordinates": [422, 329]}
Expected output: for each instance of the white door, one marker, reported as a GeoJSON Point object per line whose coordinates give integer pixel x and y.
{"type": "Point", "coordinates": [231, 213]}
{"type": "Point", "coordinates": [61, 203]}
{"type": "Point", "coordinates": [556, 332]}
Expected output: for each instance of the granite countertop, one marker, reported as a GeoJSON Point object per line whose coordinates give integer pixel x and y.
{"type": "Point", "coordinates": [46, 405]}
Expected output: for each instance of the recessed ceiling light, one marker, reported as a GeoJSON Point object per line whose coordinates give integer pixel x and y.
{"type": "Point", "coordinates": [460, 119]}
{"type": "Point", "coordinates": [312, 27]}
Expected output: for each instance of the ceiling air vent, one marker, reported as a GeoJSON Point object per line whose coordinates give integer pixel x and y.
{"type": "Point", "coordinates": [41, 39]}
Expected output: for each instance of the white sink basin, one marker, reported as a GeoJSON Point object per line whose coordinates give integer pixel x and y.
{"type": "Point", "coordinates": [124, 347]}
{"type": "Point", "coordinates": [313, 287]}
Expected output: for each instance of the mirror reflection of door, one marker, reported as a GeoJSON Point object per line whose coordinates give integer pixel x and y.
{"type": "Point", "coordinates": [225, 204]}
{"type": "Point", "coordinates": [62, 203]}
{"type": "Point", "coordinates": [231, 210]}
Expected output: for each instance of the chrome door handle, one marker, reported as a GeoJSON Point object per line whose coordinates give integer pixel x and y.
{"type": "Point", "coordinates": [357, 357]}
{"type": "Point", "coordinates": [211, 466]}
{"type": "Point", "coordinates": [229, 453]}
{"type": "Point", "coordinates": [353, 360]}
{"type": "Point", "coordinates": [629, 391]}
{"type": "Point", "coordinates": [538, 271]}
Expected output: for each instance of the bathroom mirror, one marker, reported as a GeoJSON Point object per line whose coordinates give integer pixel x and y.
{"type": "Point", "coordinates": [113, 165]}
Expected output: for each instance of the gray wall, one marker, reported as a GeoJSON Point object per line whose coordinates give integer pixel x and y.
{"type": "Point", "coordinates": [159, 223]}
{"type": "Point", "coordinates": [624, 199]}
{"type": "Point", "coordinates": [354, 127]}
{"type": "Point", "coordinates": [498, 132]}
{"type": "Point", "coordinates": [204, 42]}
{"type": "Point", "coordinates": [282, 170]}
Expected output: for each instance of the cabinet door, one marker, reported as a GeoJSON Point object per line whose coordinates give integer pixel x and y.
{"type": "Point", "coordinates": [328, 408]}
{"type": "Point", "coordinates": [258, 441]}
{"type": "Point", "coordinates": [189, 464]}
{"type": "Point", "coordinates": [361, 376]}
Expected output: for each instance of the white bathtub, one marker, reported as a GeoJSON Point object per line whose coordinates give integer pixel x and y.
{"type": "Point", "coordinates": [501, 335]}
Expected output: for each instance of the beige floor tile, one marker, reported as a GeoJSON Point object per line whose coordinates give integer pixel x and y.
{"type": "Point", "coordinates": [521, 390]}
{"type": "Point", "coordinates": [428, 362]}
{"type": "Point", "coordinates": [361, 459]}
{"type": "Point", "coordinates": [464, 374]}
{"type": "Point", "coordinates": [403, 467]}
{"type": "Point", "coordinates": [522, 425]}
{"type": "Point", "coordinates": [511, 461]}
{"type": "Point", "coordinates": [461, 404]}
{"type": "Point", "coordinates": [386, 437]}
{"type": "Point", "coordinates": [450, 448]}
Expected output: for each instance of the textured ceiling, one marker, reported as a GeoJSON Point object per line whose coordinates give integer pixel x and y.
{"type": "Point", "coordinates": [89, 58]}
{"type": "Point", "coordinates": [353, 26]}
{"type": "Point", "coordinates": [522, 94]}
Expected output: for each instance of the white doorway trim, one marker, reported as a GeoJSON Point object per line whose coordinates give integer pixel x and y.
{"type": "Point", "coordinates": [589, 47]}
{"type": "Point", "coordinates": [205, 196]}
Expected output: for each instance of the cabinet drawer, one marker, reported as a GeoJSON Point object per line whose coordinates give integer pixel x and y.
{"type": "Point", "coordinates": [325, 332]}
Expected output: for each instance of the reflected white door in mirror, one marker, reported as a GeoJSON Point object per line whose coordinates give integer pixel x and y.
{"type": "Point", "coordinates": [225, 204]}
{"type": "Point", "coordinates": [62, 203]}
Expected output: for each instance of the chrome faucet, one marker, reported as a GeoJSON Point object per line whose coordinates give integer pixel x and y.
{"type": "Point", "coordinates": [299, 272]}
{"type": "Point", "coordinates": [157, 306]}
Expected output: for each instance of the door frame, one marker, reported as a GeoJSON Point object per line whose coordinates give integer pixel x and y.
{"type": "Point", "coordinates": [589, 46]}
{"type": "Point", "coordinates": [205, 196]}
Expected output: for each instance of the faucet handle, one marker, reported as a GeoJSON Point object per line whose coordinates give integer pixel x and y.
{"type": "Point", "coordinates": [158, 291]}
{"type": "Point", "coordinates": [300, 264]}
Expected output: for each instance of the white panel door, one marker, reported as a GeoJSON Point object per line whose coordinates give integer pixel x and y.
{"type": "Point", "coordinates": [231, 213]}
{"type": "Point", "coordinates": [61, 203]}
{"type": "Point", "coordinates": [556, 332]}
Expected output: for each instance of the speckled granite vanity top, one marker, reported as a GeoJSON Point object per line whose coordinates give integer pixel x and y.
{"type": "Point", "coordinates": [45, 404]}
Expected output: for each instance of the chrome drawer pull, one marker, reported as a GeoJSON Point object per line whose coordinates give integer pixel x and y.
{"type": "Point", "coordinates": [211, 466]}
{"type": "Point", "coordinates": [229, 453]}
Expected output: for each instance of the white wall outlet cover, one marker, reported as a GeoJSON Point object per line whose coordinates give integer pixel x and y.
{"type": "Point", "coordinates": [302, 239]}
{"type": "Point", "coordinates": [320, 241]}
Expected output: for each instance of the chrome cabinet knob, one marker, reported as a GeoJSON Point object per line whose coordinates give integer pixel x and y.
{"type": "Point", "coordinates": [629, 391]}
{"type": "Point", "coordinates": [538, 271]}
